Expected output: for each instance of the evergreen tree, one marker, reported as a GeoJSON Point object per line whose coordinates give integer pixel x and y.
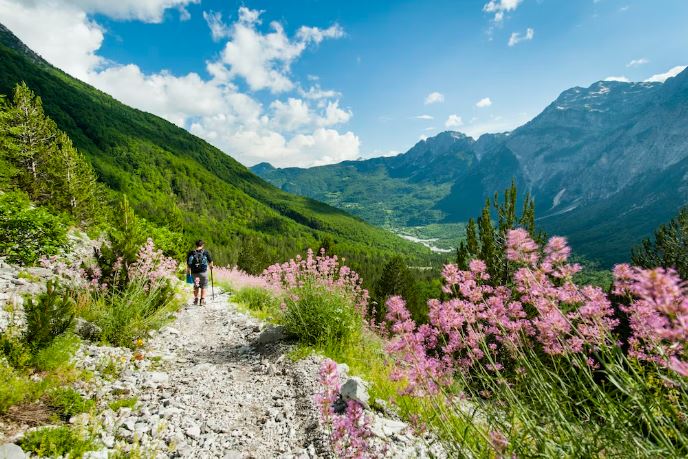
{"type": "Point", "coordinates": [396, 279]}
{"type": "Point", "coordinates": [125, 238]}
{"type": "Point", "coordinates": [669, 249]}
{"type": "Point", "coordinates": [78, 187]}
{"type": "Point", "coordinates": [34, 139]}
{"type": "Point", "coordinates": [487, 241]}
{"type": "Point", "coordinates": [8, 171]}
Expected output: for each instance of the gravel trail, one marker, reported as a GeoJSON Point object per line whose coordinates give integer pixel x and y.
{"type": "Point", "coordinates": [219, 392]}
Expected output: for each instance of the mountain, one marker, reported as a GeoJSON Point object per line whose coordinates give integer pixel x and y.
{"type": "Point", "coordinates": [606, 164]}
{"type": "Point", "coordinates": [180, 181]}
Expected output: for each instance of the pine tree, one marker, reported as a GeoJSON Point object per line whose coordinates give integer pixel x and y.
{"type": "Point", "coordinates": [396, 279]}
{"type": "Point", "coordinates": [669, 249]}
{"type": "Point", "coordinates": [34, 138]}
{"type": "Point", "coordinates": [8, 171]}
{"type": "Point", "coordinates": [487, 241]}
{"type": "Point", "coordinates": [77, 192]}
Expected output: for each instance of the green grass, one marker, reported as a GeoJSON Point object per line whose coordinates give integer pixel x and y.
{"type": "Point", "coordinates": [57, 441]}
{"type": "Point", "coordinates": [260, 302]}
{"type": "Point", "coordinates": [15, 387]}
{"type": "Point", "coordinates": [57, 354]}
{"type": "Point", "coordinates": [129, 402]}
{"type": "Point", "coordinates": [67, 403]}
{"type": "Point", "coordinates": [127, 315]}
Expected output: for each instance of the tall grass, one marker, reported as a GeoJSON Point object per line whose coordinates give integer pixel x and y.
{"type": "Point", "coordinates": [125, 315]}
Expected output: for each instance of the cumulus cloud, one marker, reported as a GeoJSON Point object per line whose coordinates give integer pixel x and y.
{"type": "Point", "coordinates": [453, 121]}
{"type": "Point", "coordinates": [620, 78]}
{"type": "Point", "coordinates": [434, 98]}
{"type": "Point", "coordinates": [518, 37]}
{"type": "Point", "coordinates": [294, 131]}
{"type": "Point", "coordinates": [484, 102]}
{"type": "Point", "coordinates": [662, 77]}
{"type": "Point", "coordinates": [500, 7]}
{"type": "Point", "coordinates": [264, 60]}
{"type": "Point", "coordinates": [425, 117]}
{"type": "Point", "coordinates": [637, 62]}
{"type": "Point", "coordinates": [63, 35]}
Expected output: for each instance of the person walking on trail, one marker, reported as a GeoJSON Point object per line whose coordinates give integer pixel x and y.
{"type": "Point", "coordinates": [198, 262]}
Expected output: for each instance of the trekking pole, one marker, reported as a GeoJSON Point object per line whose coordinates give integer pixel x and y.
{"type": "Point", "coordinates": [212, 283]}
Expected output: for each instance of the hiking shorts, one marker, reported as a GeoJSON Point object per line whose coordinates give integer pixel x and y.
{"type": "Point", "coordinates": [200, 279]}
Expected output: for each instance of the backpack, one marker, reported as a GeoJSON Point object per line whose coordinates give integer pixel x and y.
{"type": "Point", "coordinates": [198, 261]}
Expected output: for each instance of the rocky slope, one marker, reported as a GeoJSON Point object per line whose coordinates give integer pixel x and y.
{"type": "Point", "coordinates": [608, 159]}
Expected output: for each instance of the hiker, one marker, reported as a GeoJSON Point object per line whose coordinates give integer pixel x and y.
{"type": "Point", "coordinates": [197, 263]}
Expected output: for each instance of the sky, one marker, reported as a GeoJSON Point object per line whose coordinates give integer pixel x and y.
{"type": "Point", "coordinates": [311, 82]}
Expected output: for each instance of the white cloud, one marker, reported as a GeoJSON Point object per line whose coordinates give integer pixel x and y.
{"type": "Point", "coordinates": [141, 10]}
{"type": "Point", "coordinates": [499, 7]}
{"type": "Point", "coordinates": [425, 117]}
{"type": "Point", "coordinates": [454, 121]}
{"type": "Point", "coordinates": [63, 35]}
{"type": "Point", "coordinates": [264, 60]}
{"type": "Point", "coordinates": [517, 37]}
{"type": "Point", "coordinates": [218, 29]}
{"type": "Point", "coordinates": [637, 62]}
{"type": "Point", "coordinates": [484, 102]}
{"type": "Point", "coordinates": [296, 131]}
{"type": "Point", "coordinates": [620, 78]}
{"type": "Point", "coordinates": [315, 92]}
{"type": "Point", "coordinates": [662, 77]}
{"type": "Point", "coordinates": [434, 98]}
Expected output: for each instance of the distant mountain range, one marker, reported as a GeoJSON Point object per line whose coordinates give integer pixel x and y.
{"type": "Point", "coordinates": [606, 164]}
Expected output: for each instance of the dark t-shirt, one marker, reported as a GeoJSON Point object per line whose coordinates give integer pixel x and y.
{"type": "Point", "coordinates": [189, 259]}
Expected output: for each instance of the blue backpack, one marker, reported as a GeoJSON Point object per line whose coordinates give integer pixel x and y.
{"type": "Point", "coordinates": [198, 261]}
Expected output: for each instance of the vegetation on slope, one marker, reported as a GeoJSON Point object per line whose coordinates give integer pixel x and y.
{"type": "Point", "coordinates": [178, 181]}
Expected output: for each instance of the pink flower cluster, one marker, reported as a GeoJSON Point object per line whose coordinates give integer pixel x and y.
{"type": "Point", "coordinates": [152, 265]}
{"type": "Point", "coordinates": [239, 279]}
{"type": "Point", "coordinates": [486, 324]}
{"type": "Point", "coordinates": [322, 269]}
{"type": "Point", "coordinates": [350, 430]}
{"type": "Point", "coordinates": [658, 315]}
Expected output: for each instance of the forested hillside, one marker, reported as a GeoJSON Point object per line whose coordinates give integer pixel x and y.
{"type": "Point", "coordinates": [176, 180]}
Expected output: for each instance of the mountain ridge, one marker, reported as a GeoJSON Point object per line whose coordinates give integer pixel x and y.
{"type": "Point", "coordinates": [587, 149]}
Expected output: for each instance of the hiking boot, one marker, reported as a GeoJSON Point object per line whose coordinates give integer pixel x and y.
{"type": "Point", "coordinates": [195, 301]}
{"type": "Point", "coordinates": [203, 301]}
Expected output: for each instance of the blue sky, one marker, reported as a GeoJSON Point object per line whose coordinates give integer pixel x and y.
{"type": "Point", "coordinates": [357, 81]}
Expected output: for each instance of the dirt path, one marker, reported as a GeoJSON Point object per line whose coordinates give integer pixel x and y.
{"type": "Point", "coordinates": [218, 392]}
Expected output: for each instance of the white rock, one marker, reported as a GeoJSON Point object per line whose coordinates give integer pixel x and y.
{"type": "Point", "coordinates": [11, 451]}
{"type": "Point", "coordinates": [356, 389]}
{"type": "Point", "coordinates": [193, 431]}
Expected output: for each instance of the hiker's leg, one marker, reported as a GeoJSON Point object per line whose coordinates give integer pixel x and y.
{"type": "Point", "coordinates": [203, 278]}
{"type": "Point", "coordinates": [197, 287]}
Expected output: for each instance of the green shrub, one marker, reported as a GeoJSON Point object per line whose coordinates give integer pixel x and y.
{"type": "Point", "coordinates": [14, 349]}
{"type": "Point", "coordinates": [321, 316]}
{"type": "Point", "coordinates": [57, 353]}
{"type": "Point", "coordinates": [29, 233]}
{"type": "Point", "coordinates": [48, 316]}
{"type": "Point", "coordinates": [257, 299]}
{"type": "Point", "coordinates": [127, 314]}
{"type": "Point", "coordinates": [129, 402]}
{"type": "Point", "coordinates": [14, 387]}
{"type": "Point", "coordinates": [67, 402]}
{"type": "Point", "coordinates": [56, 441]}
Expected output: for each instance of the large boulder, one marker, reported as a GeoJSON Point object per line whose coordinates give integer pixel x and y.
{"type": "Point", "coordinates": [11, 451]}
